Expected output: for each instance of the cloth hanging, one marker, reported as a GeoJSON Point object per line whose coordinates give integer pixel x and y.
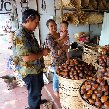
{"type": "Point", "coordinates": [104, 38]}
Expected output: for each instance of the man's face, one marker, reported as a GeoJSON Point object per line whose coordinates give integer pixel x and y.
{"type": "Point", "coordinates": [33, 24]}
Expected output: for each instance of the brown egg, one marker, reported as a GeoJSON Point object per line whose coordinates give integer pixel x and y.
{"type": "Point", "coordinates": [99, 94]}
{"type": "Point", "coordinates": [95, 91]}
{"type": "Point", "coordinates": [76, 77]}
{"type": "Point", "coordinates": [91, 101]}
{"type": "Point", "coordinates": [83, 87]}
{"type": "Point", "coordinates": [94, 96]}
{"type": "Point", "coordinates": [106, 104]}
{"type": "Point", "coordinates": [106, 93]}
{"type": "Point", "coordinates": [107, 69]}
{"type": "Point", "coordinates": [88, 87]}
{"type": "Point", "coordinates": [71, 76]}
{"type": "Point", "coordinates": [69, 67]}
{"type": "Point", "coordinates": [80, 68]}
{"type": "Point", "coordinates": [98, 103]}
{"type": "Point", "coordinates": [66, 66]}
{"type": "Point", "coordinates": [87, 83]}
{"type": "Point", "coordinates": [81, 75]}
{"type": "Point", "coordinates": [66, 73]}
{"type": "Point", "coordinates": [67, 62]}
{"type": "Point", "coordinates": [99, 80]}
{"type": "Point", "coordinates": [83, 91]}
{"type": "Point", "coordinates": [105, 88]}
{"type": "Point", "coordinates": [86, 96]}
{"type": "Point", "coordinates": [90, 92]}
{"type": "Point", "coordinates": [104, 98]}
{"type": "Point", "coordinates": [103, 83]}
{"type": "Point", "coordinates": [95, 86]}
{"type": "Point", "coordinates": [99, 88]}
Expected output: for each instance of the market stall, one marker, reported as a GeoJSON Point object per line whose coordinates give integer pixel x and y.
{"type": "Point", "coordinates": [79, 89]}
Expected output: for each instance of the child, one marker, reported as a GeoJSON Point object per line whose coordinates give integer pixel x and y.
{"type": "Point", "coordinates": [63, 40]}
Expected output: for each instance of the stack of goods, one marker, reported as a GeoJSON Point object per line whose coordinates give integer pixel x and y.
{"type": "Point", "coordinates": [71, 75]}
{"type": "Point", "coordinates": [94, 18]}
{"type": "Point", "coordinates": [103, 59]}
{"type": "Point", "coordinates": [76, 70]}
{"type": "Point", "coordinates": [81, 17]}
{"type": "Point", "coordinates": [95, 93]}
{"type": "Point", "coordinates": [77, 17]}
{"type": "Point", "coordinates": [86, 4]}
{"type": "Point", "coordinates": [72, 3]}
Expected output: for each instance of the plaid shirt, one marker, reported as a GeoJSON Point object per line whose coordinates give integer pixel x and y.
{"type": "Point", "coordinates": [26, 44]}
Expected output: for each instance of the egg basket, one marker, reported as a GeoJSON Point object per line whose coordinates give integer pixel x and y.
{"type": "Point", "coordinates": [86, 104]}
{"type": "Point", "coordinates": [69, 93]}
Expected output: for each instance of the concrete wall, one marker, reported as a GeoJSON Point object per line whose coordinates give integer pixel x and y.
{"type": "Point", "coordinates": [49, 13]}
{"type": "Point", "coordinates": [32, 4]}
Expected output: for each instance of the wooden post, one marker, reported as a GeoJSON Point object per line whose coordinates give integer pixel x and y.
{"type": "Point", "coordinates": [39, 24]}
{"type": "Point", "coordinates": [61, 9]}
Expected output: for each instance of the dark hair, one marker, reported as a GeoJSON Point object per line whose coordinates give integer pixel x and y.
{"type": "Point", "coordinates": [48, 21]}
{"type": "Point", "coordinates": [65, 22]}
{"type": "Point", "coordinates": [31, 14]}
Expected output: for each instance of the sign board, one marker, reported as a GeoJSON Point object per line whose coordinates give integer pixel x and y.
{"type": "Point", "coordinates": [5, 6]}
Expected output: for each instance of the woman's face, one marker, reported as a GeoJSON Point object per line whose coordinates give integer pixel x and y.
{"type": "Point", "coordinates": [52, 27]}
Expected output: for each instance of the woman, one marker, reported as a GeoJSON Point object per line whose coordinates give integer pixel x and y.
{"type": "Point", "coordinates": [53, 45]}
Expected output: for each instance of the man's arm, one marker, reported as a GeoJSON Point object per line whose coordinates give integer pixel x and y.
{"type": "Point", "coordinates": [33, 57]}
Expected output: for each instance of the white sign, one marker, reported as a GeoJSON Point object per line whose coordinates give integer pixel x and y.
{"type": "Point", "coordinates": [5, 6]}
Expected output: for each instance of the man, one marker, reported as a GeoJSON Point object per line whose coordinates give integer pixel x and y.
{"type": "Point", "coordinates": [30, 57]}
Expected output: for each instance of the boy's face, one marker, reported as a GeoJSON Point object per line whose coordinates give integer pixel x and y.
{"type": "Point", "coordinates": [63, 27]}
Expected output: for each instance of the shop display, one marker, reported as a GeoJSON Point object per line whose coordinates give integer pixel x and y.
{"type": "Point", "coordinates": [87, 4]}
{"type": "Point", "coordinates": [94, 18]}
{"type": "Point", "coordinates": [81, 17]}
{"type": "Point", "coordinates": [76, 70]}
{"type": "Point", "coordinates": [82, 37]}
{"type": "Point", "coordinates": [71, 75]}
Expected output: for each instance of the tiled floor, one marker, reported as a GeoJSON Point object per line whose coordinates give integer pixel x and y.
{"type": "Point", "coordinates": [17, 98]}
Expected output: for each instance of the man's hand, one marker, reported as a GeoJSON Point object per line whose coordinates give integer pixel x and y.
{"type": "Point", "coordinates": [33, 57]}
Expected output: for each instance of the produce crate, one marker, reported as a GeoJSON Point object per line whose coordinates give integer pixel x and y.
{"type": "Point", "coordinates": [90, 55]}
{"type": "Point", "coordinates": [69, 93]}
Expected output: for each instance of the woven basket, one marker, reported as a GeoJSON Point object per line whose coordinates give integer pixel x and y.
{"type": "Point", "coordinates": [69, 93]}
{"type": "Point", "coordinates": [90, 56]}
